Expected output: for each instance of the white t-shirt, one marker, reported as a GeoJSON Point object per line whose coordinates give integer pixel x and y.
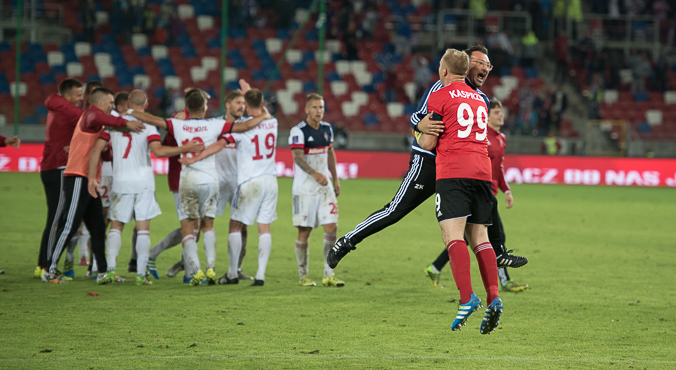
{"type": "Point", "coordinates": [316, 145]}
{"type": "Point", "coordinates": [256, 151]}
{"type": "Point", "coordinates": [206, 131]}
{"type": "Point", "coordinates": [132, 168]}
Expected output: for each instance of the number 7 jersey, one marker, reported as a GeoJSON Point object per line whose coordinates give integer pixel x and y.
{"type": "Point", "coordinates": [462, 150]}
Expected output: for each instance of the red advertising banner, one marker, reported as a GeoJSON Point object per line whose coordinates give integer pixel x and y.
{"type": "Point", "coordinates": [527, 169]}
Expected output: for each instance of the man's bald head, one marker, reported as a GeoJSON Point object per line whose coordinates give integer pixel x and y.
{"type": "Point", "coordinates": [137, 99]}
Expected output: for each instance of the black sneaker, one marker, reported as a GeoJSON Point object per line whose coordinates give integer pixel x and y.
{"type": "Point", "coordinates": [131, 267]}
{"type": "Point", "coordinates": [509, 260]}
{"type": "Point", "coordinates": [342, 247]}
{"type": "Point", "coordinates": [226, 280]}
{"type": "Point", "coordinates": [258, 283]}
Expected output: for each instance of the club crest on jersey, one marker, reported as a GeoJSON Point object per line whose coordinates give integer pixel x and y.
{"type": "Point", "coordinates": [295, 140]}
{"type": "Point", "coordinates": [326, 136]}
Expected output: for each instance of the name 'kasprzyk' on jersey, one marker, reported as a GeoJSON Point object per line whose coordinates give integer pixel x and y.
{"type": "Point", "coordinates": [462, 151]}
{"type": "Point", "coordinates": [206, 131]}
{"type": "Point", "coordinates": [132, 167]}
{"type": "Point", "coordinates": [256, 151]}
{"type": "Point", "coordinates": [316, 144]}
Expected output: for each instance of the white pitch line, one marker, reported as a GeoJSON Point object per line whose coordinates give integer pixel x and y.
{"type": "Point", "coordinates": [336, 357]}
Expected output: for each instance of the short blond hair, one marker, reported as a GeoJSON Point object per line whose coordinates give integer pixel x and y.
{"type": "Point", "coordinates": [455, 62]}
{"type": "Point", "coordinates": [313, 96]}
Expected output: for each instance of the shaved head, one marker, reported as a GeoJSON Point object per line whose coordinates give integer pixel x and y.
{"type": "Point", "coordinates": [137, 98]}
{"type": "Point", "coordinates": [99, 94]}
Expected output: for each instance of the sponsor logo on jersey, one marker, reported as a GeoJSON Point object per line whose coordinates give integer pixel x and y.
{"type": "Point", "coordinates": [320, 150]}
{"type": "Point", "coordinates": [310, 139]}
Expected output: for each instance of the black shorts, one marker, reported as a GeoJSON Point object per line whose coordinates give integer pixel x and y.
{"type": "Point", "coordinates": [469, 198]}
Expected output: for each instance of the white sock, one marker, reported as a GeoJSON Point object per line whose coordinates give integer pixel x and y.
{"type": "Point", "coordinates": [502, 276]}
{"type": "Point", "coordinates": [83, 241]}
{"type": "Point", "coordinates": [329, 242]}
{"type": "Point", "coordinates": [209, 240]}
{"type": "Point", "coordinates": [264, 247]}
{"type": "Point", "coordinates": [114, 243]}
{"type": "Point", "coordinates": [302, 257]}
{"type": "Point", "coordinates": [82, 249]}
{"type": "Point", "coordinates": [143, 248]}
{"type": "Point", "coordinates": [234, 248]}
{"type": "Point", "coordinates": [70, 251]}
{"type": "Point", "coordinates": [172, 239]}
{"type": "Point", "coordinates": [191, 260]}
{"type": "Point", "coordinates": [134, 236]}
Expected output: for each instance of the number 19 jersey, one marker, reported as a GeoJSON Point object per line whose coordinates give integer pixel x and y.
{"type": "Point", "coordinates": [462, 150]}
{"type": "Point", "coordinates": [256, 151]}
{"type": "Point", "coordinates": [206, 131]}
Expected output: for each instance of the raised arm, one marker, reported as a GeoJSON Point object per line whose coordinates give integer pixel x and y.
{"type": "Point", "coordinates": [149, 119]}
{"type": "Point", "coordinates": [116, 122]}
{"type": "Point", "coordinates": [94, 159]}
{"type": "Point", "coordinates": [211, 150]}
{"type": "Point", "coordinates": [332, 169]}
{"type": "Point", "coordinates": [161, 151]}
{"type": "Point", "coordinates": [248, 125]}
{"type": "Point", "coordinates": [299, 160]}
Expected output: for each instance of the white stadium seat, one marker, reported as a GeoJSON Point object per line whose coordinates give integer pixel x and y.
{"type": "Point", "coordinates": [509, 81]}
{"type": "Point", "coordinates": [339, 88]}
{"type": "Point", "coordinates": [409, 89]}
{"type": "Point", "coordinates": [501, 92]}
{"type": "Point", "coordinates": [231, 74]}
{"type": "Point", "coordinates": [82, 48]}
{"type": "Point", "coordinates": [159, 51]}
{"type": "Point", "coordinates": [610, 96]}
{"type": "Point", "coordinates": [139, 40]}
{"type": "Point", "coordinates": [342, 67]}
{"type": "Point", "coordinates": [286, 102]}
{"type": "Point", "coordinates": [23, 88]}
{"type": "Point", "coordinates": [273, 45]}
{"type": "Point", "coordinates": [363, 78]}
{"type": "Point", "coordinates": [102, 59]}
{"type": "Point", "coordinates": [198, 73]}
{"type": "Point", "coordinates": [357, 66]}
{"type": "Point", "coordinates": [186, 11]}
{"type": "Point", "coordinates": [106, 70]}
{"type": "Point", "coordinates": [101, 17]}
{"type": "Point", "coordinates": [301, 15]}
{"type": "Point", "coordinates": [179, 104]}
{"type": "Point", "coordinates": [360, 98]}
{"type": "Point", "coordinates": [334, 46]}
{"type": "Point", "coordinates": [172, 82]}
{"type": "Point", "coordinates": [205, 22]}
{"type": "Point", "coordinates": [55, 58]}
{"type": "Point", "coordinates": [294, 56]}
{"type": "Point", "coordinates": [395, 109]}
{"type": "Point", "coordinates": [74, 69]}
{"type": "Point", "coordinates": [141, 81]}
{"type": "Point", "coordinates": [327, 56]}
{"type": "Point", "coordinates": [350, 109]}
{"type": "Point", "coordinates": [670, 97]}
{"type": "Point", "coordinates": [210, 63]}
{"type": "Point", "coordinates": [294, 86]}
{"type": "Point", "coordinates": [653, 117]}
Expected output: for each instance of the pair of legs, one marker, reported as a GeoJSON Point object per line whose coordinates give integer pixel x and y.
{"type": "Point", "coordinates": [189, 229]}
{"type": "Point", "coordinates": [236, 239]}
{"type": "Point", "coordinates": [303, 252]}
{"type": "Point", "coordinates": [141, 244]}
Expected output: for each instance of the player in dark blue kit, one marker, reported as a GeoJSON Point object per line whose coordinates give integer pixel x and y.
{"type": "Point", "coordinates": [420, 180]}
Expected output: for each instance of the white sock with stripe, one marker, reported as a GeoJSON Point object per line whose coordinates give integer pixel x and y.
{"type": "Point", "coordinates": [264, 247]}
{"type": "Point", "coordinates": [114, 244]}
{"type": "Point", "coordinates": [143, 249]}
{"type": "Point", "coordinates": [191, 260]}
{"type": "Point", "coordinates": [302, 257]}
{"type": "Point", "coordinates": [234, 248]}
{"type": "Point", "coordinates": [209, 240]}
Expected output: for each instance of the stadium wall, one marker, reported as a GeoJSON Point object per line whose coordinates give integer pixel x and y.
{"type": "Point", "coordinates": [527, 169]}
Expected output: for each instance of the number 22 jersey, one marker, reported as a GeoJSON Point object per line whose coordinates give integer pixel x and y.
{"type": "Point", "coordinates": [462, 150]}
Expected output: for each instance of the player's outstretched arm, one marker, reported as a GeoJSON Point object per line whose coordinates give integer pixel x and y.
{"type": "Point", "coordinates": [332, 169]}
{"type": "Point", "coordinates": [162, 151]}
{"type": "Point", "coordinates": [299, 160]}
{"type": "Point", "coordinates": [13, 142]}
{"type": "Point", "coordinates": [148, 118]}
{"type": "Point", "coordinates": [248, 125]}
{"type": "Point", "coordinates": [211, 150]}
{"type": "Point", "coordinates": [94, 159]}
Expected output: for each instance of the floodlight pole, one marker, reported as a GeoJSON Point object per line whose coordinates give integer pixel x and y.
{"type": "Point", "coordinates": [224, 55]}
{"type": "Point", "coordinates": [17, 78]}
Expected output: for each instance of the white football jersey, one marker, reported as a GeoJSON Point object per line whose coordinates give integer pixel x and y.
{"type": "Point", "coordinates": [226, 161]}
{"type": "Point", "coordinates": [316, 145]}
{"type": "Point", "coordinates": [106, 169]}
{"type": "Point", "coordinates": [132, 168]}
{"type": "Point", "coordinates": [256, 151]}
{"type": "Point", "coordinates": [206, 131]}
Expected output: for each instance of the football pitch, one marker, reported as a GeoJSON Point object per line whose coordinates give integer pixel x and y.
{"type": "Point", "coordinates": [601, 294]}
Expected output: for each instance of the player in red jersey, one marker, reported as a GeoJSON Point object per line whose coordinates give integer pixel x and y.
{"type": "Point", "coordinates": [463, 199]}
{"type": "Point", "coordinates": [496, 234]}
{"type": "Point", "coordinates": [13, 142]}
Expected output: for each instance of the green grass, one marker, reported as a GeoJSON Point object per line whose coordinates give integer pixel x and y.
{"type": "Point", "coordinates": [601, 271]}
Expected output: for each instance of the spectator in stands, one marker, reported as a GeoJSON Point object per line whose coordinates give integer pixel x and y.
{"type": "Point", "coordinates": [89, 22]}
{"type": "Point", "coordinates": [422, 76]}
{"type": "Point", "coordinates": [478, 8]}
{"type": "Point", "coordinates": [550, 145]}
{"type": "Point", "coordinates": [350, 41]}
{"type": "Point", "coordinates": [166, 10]}
{"type": "Point", "coordinates": [595, 96]}
{"type": "Point", "coordinates": [586, 48]}
{"type": "Point", "coordinates": [559, 14]}
{"type": "Point", "coordinates": [661, 77]}
{"type": "Point", "coordinates": [640, 71]}
{"type": "Point", "coordinates": [161, 35]}
{"type": "Point", "coordinates": [501, 48]}
{"type": "Point", "coordinates": [561, 55]}
{"type": "Point", "coordinates": [391, 82]}
{"type": "Point", "coordinates": [559, 104]}
{"type": "Point", "coordinates": [529, 49]}
{"type": "Point", "coordinates": [527, 120]}
{"type": "Point", "coordinates": [574, 15]}
{"type": "Point", "coordinates": [175, 29]}
{"type": "Point", "coordinates": [368, 25]}
{"type": "Point", "coordinates": [148, 20]}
